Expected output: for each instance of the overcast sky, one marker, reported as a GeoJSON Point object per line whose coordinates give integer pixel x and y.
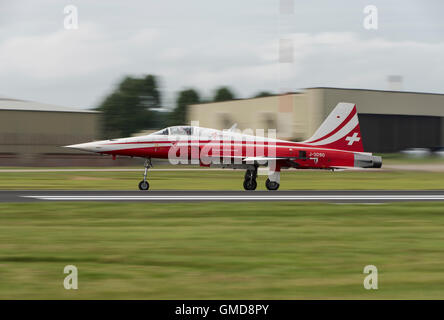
{"type": "Point", "coordinates": [205, 44]}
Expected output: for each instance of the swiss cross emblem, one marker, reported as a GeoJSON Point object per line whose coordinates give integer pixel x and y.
{"type": "Point", "coordinates": [352, 139]}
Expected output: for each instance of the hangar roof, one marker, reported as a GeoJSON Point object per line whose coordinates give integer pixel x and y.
{"type": "Point", "coordinates": [24, 105]}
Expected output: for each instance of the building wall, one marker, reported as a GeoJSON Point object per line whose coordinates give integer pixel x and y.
{"type": "Point", "coordinates": [248, 114]}
{"type": "Point", "coordinates": [392, 121]}
{"type": "Point", "coordinates": [286, 113]}
{"type": "Point", "coordinates": [386, 102]}
{"type": "Point", "coordinates": [388, 132]}
{"type": "Point", "coordinates": [316, 110]}
{"type": "Point", "coordinates": [29, 137]}
{"type": "Point", "coordinates": [301, 117]}
{"type": "Point", "coordinates": [298, 115]}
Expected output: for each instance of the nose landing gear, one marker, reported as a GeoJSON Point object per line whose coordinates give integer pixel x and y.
{"type": "Point", "coordinates": [250, 179]}
{"type": "Point", "coordinates": [144, 185]}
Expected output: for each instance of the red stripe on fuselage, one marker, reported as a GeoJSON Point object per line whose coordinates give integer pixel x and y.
{"type": "Point", "coordinates": [315, 157]}
{"type": "Point", "coordinates": [277, 143]}
{"type": "Point", "coordinates": [223, 143]}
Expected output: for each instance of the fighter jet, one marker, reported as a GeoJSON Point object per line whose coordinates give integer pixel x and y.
{"type": "Point", "coordinates": [337, 144]}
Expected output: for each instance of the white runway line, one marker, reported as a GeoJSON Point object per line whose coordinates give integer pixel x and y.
{"type": "Point", "coordinates": [105, 170]}
{"type": "Point", "coordinates": [240, 197]}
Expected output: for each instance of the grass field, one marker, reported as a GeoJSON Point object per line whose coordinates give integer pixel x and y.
{"type": "Point", "coordinates": [221, 250]}
{"type": "Point", "coordinates": [217, 250]}
{"type": "Point", "coordinates": [397, 158]}
{"type": "Point", "coordinates": [220, 180]}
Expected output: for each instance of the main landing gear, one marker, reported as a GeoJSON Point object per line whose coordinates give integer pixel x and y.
{"type": "Point", "coordinates": [274, 178]}
{"type": "Point", "coordinates": [250, 179]}
{"type": "Point", "coordinates": [144, 185]}
{"type": "Point", "coordinates": [272, 182]}
{"type": "Point", "coordinates": [271, 185]}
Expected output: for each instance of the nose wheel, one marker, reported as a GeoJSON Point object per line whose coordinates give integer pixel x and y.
{"type": "Point", "coordinates": [144, 185]}
{"type": "Point", "coordinates": [250, 180]}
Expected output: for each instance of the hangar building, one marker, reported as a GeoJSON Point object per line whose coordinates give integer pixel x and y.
{"type": "Point", "coordinates": [390, 121]}
{"type": "Point", "coordinates": [31, 133]}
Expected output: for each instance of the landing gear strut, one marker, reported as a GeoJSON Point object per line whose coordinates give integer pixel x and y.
{"type": "Point", "coordinates": [144, 185]}
{"type": "Point", "coordinates": [250, 179]}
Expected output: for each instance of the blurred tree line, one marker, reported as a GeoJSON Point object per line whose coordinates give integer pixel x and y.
{"type": "Point", "coordinates": [135, 105]}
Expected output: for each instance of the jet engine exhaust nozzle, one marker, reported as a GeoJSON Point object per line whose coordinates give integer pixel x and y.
{"type": "Point", "coordinates": [367, 161]}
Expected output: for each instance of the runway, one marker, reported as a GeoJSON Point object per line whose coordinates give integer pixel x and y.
{"type": "Point", "coordinates": [337, 196]}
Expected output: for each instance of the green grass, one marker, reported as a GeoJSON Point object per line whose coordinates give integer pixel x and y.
{"type": "Point", "coordinates": [221, 180]}
{"type": "Point", "coordinates": [221, 251]}
{"type": "Point", "coordinates": [397, 158]}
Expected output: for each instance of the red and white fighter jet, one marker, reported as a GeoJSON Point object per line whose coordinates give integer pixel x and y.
{"type": "Point", "coordinates": [337, 144]}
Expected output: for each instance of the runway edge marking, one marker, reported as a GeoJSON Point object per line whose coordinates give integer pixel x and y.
{"type": "Point", "coordinates": [240, 197]}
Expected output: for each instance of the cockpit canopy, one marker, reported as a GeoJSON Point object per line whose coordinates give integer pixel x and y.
{"type": "Point", "coordinates": [189, 131]}
{"type": "Point", "coordinates": [194, 132]}
{"type": "Point", "coordinates": [176, 131]}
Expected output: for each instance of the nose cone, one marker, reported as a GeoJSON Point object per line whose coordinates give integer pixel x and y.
{"type": "Point", "coordinates": [89, 146]}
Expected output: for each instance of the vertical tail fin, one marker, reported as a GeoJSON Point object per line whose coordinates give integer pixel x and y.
{"type": "Point", "coordinates": [340, 130]}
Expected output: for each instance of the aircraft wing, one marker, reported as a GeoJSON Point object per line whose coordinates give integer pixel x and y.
{"type": "Point", "coordinates": [252, 159]}
{"type": "Point", "coordinates": [268, 158]}
{"type": "Point", "coordinates": [347, 168]}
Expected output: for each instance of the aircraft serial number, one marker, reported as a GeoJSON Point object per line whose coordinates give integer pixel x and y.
{"type": "Point", "coordinates": [317, 154]}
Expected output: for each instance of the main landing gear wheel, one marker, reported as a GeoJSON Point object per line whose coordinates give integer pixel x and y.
{"type": "Point", "coordinates": [250, 180]}
{"type": "Point", "coordinates": [271, 185]}
{"type": "Point", "coordinates": [250, 184]}
{"type": "Point", "coordinates": [144, 185]}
